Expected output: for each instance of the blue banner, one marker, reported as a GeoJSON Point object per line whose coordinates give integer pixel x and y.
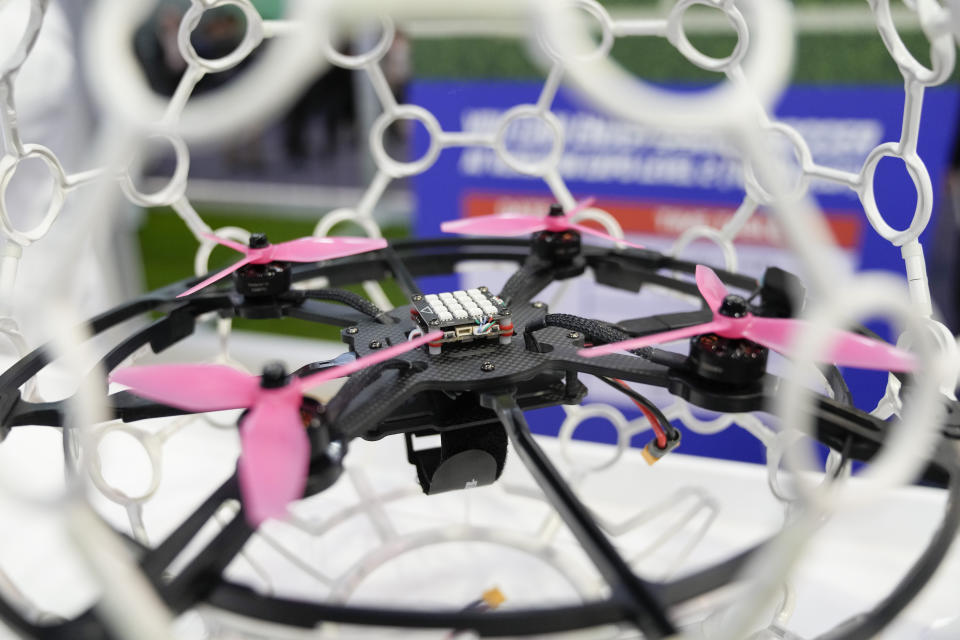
{"type": "Point", "coordinates": [658, 185]}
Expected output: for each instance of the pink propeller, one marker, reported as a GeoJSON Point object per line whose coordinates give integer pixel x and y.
{"type": "Point", "coordinates": [275, 450]}
{"type": "Point", "coordinates": [731, 319]}
{"type": "Point", "coordinates": [516, 224]}
{"type": "Point", "coordinates": [309, 249]}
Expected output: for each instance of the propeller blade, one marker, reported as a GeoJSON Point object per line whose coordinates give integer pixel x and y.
{"type": "Point", "coordinates": [362, 363]}
{"type": "Point", "coordinates": [646, 341]}
{"type": "Point", "coordinates": [192, 387]}
{"type": "Point", "coordinates": [217, 276]}
{"type": "Point", "coordinates": [710, 286]}
{"type": "Point", "coordinates": [501, 224]}
{"type": "Point", "coordinates": [600, 234]}
{"type": "Point", "coordinates": [847, 349]}
{"type": "Point", "coordinates": [275, 457]}
{"type": "Point", "coordinates": [580, 206]}
{"type": "Point", "coordinates": [314, 249]}
{"type": "Point", "coordinates": [236, 246]}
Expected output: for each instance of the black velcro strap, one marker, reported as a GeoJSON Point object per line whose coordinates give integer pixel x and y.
{"type": "Point", "coordinates": [466, 458]}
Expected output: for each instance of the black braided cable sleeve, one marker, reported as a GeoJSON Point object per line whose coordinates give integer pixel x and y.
{"type": "Point", "coordinates": [348, 298]}
{"type": "Point", "coordinates": [598, 332]}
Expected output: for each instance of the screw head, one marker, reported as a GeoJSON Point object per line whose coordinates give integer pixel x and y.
{"type": "Point", "coordinates": [505, 312]}
{"type": "Point", "coordinates": [375, 344]}
{"type": "Point", "coordinates": [435, 323]}
{"type": "Point", "coordinates": [538, 305]}
{"type": "Point", "coordinates": [353, 330]}
{"type": "Point", "coordinates": [483, 289]}
{"type": "Point", "coordinates": [573, 335]}
{"type": "Point", "coordinates": [487, 366]}
{"type": "Point", "coordinates": [417, 298]}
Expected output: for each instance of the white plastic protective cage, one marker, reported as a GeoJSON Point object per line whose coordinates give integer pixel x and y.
{"type": "Point", "coordinates": [756, 72]}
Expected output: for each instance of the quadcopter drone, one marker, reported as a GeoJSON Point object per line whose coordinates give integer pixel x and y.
{"type": "Point", "coordinates": [465, 365]}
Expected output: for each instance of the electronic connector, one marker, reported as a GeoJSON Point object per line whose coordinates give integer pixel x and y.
{"type": "Point", "coordinates": [653, 451]}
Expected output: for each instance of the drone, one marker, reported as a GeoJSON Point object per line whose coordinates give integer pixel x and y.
{"type": "Point", "coordinates": [465, 365]}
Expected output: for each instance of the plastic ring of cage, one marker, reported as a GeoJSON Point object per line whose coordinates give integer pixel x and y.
{"type": "Point", "coordinates": [577, 416]}
{"type": "Point", "coordinates": [678, 37]}
{"type": "Point", "coordinates": [9, 328]}
{"type": "Point", "coordinates": [8, 168]}
{"type": "Point", "coordinates": [345, 215]}
{"type": "Point", "coordinates": [252, 37]}
{"type": "Point", "coordinates": [601, 217]}
{"type": "Point", "coordinates": [174, 189]}
{"type": "Point", "coordinates": [801, 151]}
{"type": "Point", "coordinates": [730, 260]}
{"type": "Point", "coordinates": [606, 33]}
{"type": "Point", "coordinates": [906, 449]}
{"type": "Point", "coordinates": [22, 50]}
{"type": "Point", "coordinates": [150, 444]}
{"type": "Point", "coordinates": [361, 60]}
{"type": "Point", "coordinates": [776, 449]}
{"type": "Point", "coordinates": [201, 261]}
{"type": "Point", "coordinates": [726, 107]}
{"type": "Point", "coordinates": [921, 181]}
{"type": "Point", "coordinates": [541, 167]}
{"type": "Point", "coordinates": [943, 51]}
{"type": "Point", "coordinates": [395, 168]}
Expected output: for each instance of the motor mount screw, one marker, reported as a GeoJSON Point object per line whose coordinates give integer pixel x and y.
{"type": "Point", "coordinates": [573, 335]}
{"type": "Point", "coordinates": [487, 366]}
{"type": "Point", "coordinates": [417, 298]}
{"type": "Point", "coordinates": [353, 330]}
{"type": "Point", "coordinates": [435, 323]}
{"type": "Point", "coordinates": [375, 344]}
{"type": "Point", "coordinates": [538, 305]}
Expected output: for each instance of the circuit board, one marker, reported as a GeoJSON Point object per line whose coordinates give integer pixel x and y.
{"type": "Point", "coordinates": [463, 316]}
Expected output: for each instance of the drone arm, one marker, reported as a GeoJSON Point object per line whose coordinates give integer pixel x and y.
{"type": "Point", "coordinates": [369, 398]}
{"type": "Point", "coordinates": [324, 312]}
{"type": "Point", "coordinates": [526, 282]}
{"type": "Point", "coordinates": [194, 583]}
{"type": "Point", "coordinates": [635, 594]}
{"type": "Point", "coordinates": [401, 273]}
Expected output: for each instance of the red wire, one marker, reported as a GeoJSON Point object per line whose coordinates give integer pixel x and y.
{"type": "Point", "coordinates": [654, 423]}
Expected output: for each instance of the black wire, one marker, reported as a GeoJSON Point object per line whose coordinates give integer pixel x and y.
{"type": "Point", "coordinates": [654, 409]}
{"type": "Point", "coordinates": [844, 456]}
{"type": "Point", "coordinates": [350, 299]}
